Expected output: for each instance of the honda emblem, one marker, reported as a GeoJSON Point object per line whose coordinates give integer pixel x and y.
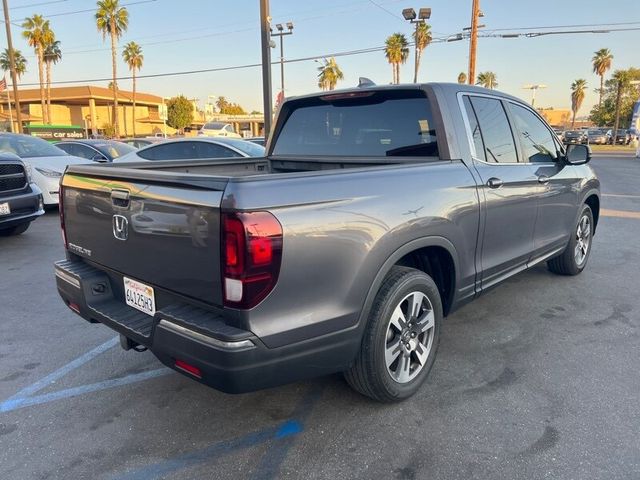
{"type": "Point", "coordinates": [120, 227]}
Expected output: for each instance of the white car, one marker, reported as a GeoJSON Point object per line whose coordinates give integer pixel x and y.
{"type": "Point", "coordinates": [195, 148]}
{"type": "Point", "coordinates": [218, 129]}
{"type": "Point", "coordinates": [45, 162]}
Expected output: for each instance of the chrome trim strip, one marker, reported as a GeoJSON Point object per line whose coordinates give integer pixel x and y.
{"type": "Point", "coordinates": [214, 342]}
{"type": "Point", "coordinates": [67, 278]}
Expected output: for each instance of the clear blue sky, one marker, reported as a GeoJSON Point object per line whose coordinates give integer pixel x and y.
{"type": "Point", "coordinates": [197, 34]}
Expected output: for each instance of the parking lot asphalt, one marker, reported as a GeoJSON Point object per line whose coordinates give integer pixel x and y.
{"type": "Point", "coordinates": [539, 378]}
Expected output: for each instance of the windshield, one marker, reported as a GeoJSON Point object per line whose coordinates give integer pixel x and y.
{"type": "Point", "coordinates": [595, 132]}
{"type": "Point", "coordinates": [214, 126]}
{"type": "Point", "coordinates": [251, 149]}
{"type": "Point", "coordinates": [114, 149]}
{"type": "Point", "coordinates": [373, 124]}
{"type": "Point", "coordinates": [26, 146]}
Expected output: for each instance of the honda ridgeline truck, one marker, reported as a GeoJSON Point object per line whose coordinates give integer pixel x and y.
{"type": "Point", "coordinates": [376, 212]}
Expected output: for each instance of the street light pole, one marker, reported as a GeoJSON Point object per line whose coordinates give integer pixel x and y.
{"type": "Point", "coordinates": [281, 33]}
{"type": "Point", "coordinates": [409, 14]}
{"type": "Point", "coordinates": [265, 40]}
{"type": "Point", "coordinates": [12, 66]}
{"type": "Point", "coordinates": [534, 89]}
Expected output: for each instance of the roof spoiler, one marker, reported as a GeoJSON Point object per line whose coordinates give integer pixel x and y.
{"type": "Point", "coordinates": [365, 82]}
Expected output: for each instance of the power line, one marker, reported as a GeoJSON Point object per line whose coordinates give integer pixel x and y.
{"type": "Point", "coordinates": [385, 10]}
{"type": "Point", "coordinates": [51, 2]}
{"type": "Point", "coordinates": [563, 26]}
{"type": "Point", "coordinates": [93, 9]}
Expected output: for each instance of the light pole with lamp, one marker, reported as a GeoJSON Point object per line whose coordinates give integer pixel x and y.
{"type": "Point", "coordinates": [534, 89]}
{"type": "Point", "coordinates": [281, 33]}
{"type": "Point", "coordinates": [409, 14]}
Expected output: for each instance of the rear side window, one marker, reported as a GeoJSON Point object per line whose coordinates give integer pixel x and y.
{"type": "Point", "coordinates": [475, 130]}
{"type": "Point", "coordinates": [212, 150]}
{"type": "Point", "coordinates": [499, 145]}
{"type": "Point", "coordinates": [170, 151]}
{"type": "Point", "coordinates": [373, 124]}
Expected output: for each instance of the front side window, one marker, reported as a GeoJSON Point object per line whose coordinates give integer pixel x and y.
{"type": "Point", "coordinates": [212, 150]}
{"type": "Point", "coordinates": [499, 145]}
{"type": "Point", "coordinates": [367, 124]}
{"type": "Point", "coordinates": [536, 140]}
{"type": "Point", "coordinates": [475, 130]}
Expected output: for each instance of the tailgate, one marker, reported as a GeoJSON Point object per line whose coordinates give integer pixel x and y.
{"type": "Point", "coordinates": [161, 233]}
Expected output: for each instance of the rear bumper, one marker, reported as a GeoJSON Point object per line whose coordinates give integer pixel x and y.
{"type": "Point", "coordinates": [228, 358]}
{"type": "Point", "coordinates": [25, 207]}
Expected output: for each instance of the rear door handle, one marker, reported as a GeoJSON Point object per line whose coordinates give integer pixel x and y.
{"type": "Point", "coordinates": [494, 182]}
{"type": "Point", "coordinates": [543, 179]}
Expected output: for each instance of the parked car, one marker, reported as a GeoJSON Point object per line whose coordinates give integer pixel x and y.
{"type": "Point", "coordinates": [559, 132]}
{"type": "Point", "coordinates": [47, 162]}
{"type": "Point", "coordinates": [257, 140]}
{"type": "Point", "coordinates": [20, 198]}
{"type": "Point", "coordinates": [195, 148]}
{"type": "Point", "coordinates": [597, 137]}
{"type": "Point", "coordinates": [575, 136]}
{"type": "Point", "coordinates": [95, 150]}
{"type": "Point", "coordinates": [376, 212]}
{"type": "Point", "coordinates": [218, 129]}
{"type": "Point", "coordinates": [622, 137]}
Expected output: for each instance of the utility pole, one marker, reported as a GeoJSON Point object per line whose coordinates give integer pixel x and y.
{"type": "Point", "coordinates": [617, 121]}
{"type": "Point", "coordinates": [473, 44]}
{"type": "Point", "coordinates": [265, 37]}
{"type": "Point", "coordinates": [12, 66]}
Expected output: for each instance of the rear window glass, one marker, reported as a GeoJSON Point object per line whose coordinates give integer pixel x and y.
{"type": "Point", "coordinates": [380, 124]}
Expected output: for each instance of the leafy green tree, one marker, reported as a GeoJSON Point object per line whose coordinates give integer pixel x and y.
{"type": "Point", "coordinates": [605, 114]}
{"type": "Point", "coordinates": [462, 77]}
{"type": "Point", "coordinates": [422, 38]}
{"type": "Point", "coordinates": [52, 55]}
{"type": "Point", "coordinates": [112, 20]}
{"type": "Point", "coordinates": [20, 61]}
{"type": "Point", "coordinates": [577, 97]}
{"type": "Point", "coordinates": [329, 74]}
{"type": "Point", "coordinates": [397, 51]}
{"type": "Point", "coordinates": [487, 80]}
{"type": "Point", "coordinates": [179, 112]}
{"type": "Point", "coordinates": [601, 62]}
{"type": "Point", "coordinates": [132, 55]}
{"type": "Point", "coordinates": [109, 130]}
{"type": "Point", "coordinates": [38, 34]}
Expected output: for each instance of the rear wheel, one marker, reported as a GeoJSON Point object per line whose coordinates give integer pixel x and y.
{"type": "Point", "coordinates": [574, 258]}
{"type": "Point", "coordinates": [17, 230]}
{"type": "Point", "coordinates": [401, 337]}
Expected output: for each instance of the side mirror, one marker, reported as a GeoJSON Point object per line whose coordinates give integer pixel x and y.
{"type": "Point", "coordinates": [99, 158]}
{"type": "Point", "coordinates": [578, 154]}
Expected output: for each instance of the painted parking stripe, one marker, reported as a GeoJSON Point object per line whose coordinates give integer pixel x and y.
{"type": "Point", "coordinates": [620, 195]}
{"type": "Point", "coordinates": [619, 214]}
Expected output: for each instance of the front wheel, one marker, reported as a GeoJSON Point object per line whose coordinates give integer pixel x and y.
{"type": "Point", "coordinates": [401, 337]}
{"type": "Point", "coordinates": [574, 258]}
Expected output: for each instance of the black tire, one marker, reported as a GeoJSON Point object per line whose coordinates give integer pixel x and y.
{"type": "Point", "coordinates": [369, 374]}
{"type": "Point", "coordinates": [566, 263]}
{"type": "Point", "coordinates": [17, 230]}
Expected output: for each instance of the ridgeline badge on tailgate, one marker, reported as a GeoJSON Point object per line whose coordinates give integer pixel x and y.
{"type": "Point", "coordinates": [120, 227]}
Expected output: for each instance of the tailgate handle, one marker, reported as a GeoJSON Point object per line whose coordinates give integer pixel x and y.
{"type": "Point", "coordinates": [120, 198]}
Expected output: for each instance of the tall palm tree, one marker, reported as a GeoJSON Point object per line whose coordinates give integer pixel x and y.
{"type": "Point", "coordinates": [397, 51]}
{"type": "Point", "coordinates": [112, 20]}
{"type": "Point", "coordinates": [601, 63]}
{"type": "Point", "coordinates": [577, 97]}
{"type": "Point", "coordinates": [132, 55]}
{"type": "Point", "coordinates": [462, 77]}
{"type": "Point", "coordinates": [38, 34]}
{"type": "Point", "coordinates": [329, 74]}
{"type": "Point", "coordinates": [20, 62]}
{"type": "Point", "coordinates": [487, 80]}
{"type": "Point", "coordinates": [422, 38]}
{"type": "Point", "coordinates": [52, 55]}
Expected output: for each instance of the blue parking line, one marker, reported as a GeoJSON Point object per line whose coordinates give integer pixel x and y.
{"type": "Point", "coordinates": [21, 402]}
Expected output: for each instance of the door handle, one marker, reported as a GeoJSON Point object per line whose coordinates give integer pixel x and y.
{"type": "Point", "coordinates": [543, 179]}
{"type": "Point", "coordinates": [494, 182]}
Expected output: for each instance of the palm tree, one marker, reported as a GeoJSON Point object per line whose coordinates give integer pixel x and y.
{"type": "Point", "coordinates": [38, 34]}
{"type": "Point", "coordinates": [422, 38]}
{"type": "Point", "coordinates": [601, 63]}
{"type": "Point", "coordinates": [222, 104]}
{"type": "Point", "coordinates": [577, 97]}
{"type": "Point", "coordinates": [329, 74]}
{"type": "Point", "coordinates": [112, 20]}
{"type": "Point", "coordinates": [487, 80]}
{"type": "Point", "coordinates": [52, 55]}
{"type": "Point", "coordinates": [462, 77]}
{"type": "Point", "coordinates": [20, 62]}
{"type": "Point", "coordinates": [397, 51]}
{"type": "Point", "coordinates": [132, 55]}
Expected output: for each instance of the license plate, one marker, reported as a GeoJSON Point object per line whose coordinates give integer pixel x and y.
{"type": "Point", "coordinates": [139, 296]}
{"type": "Point", "coordinates": [5, 209]}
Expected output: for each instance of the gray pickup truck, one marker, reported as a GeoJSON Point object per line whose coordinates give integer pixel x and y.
{"type": "Point", "coordinates": [377, 212]}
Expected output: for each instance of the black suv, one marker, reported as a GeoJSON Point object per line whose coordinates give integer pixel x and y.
{"type": "Point", "coordinates": [20, 200]}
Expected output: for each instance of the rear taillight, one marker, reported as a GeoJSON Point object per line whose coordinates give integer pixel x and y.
{"type": "Point", "coordinates": [61, 210]}
{"type": "Point", "coordinates": [251, 256]}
